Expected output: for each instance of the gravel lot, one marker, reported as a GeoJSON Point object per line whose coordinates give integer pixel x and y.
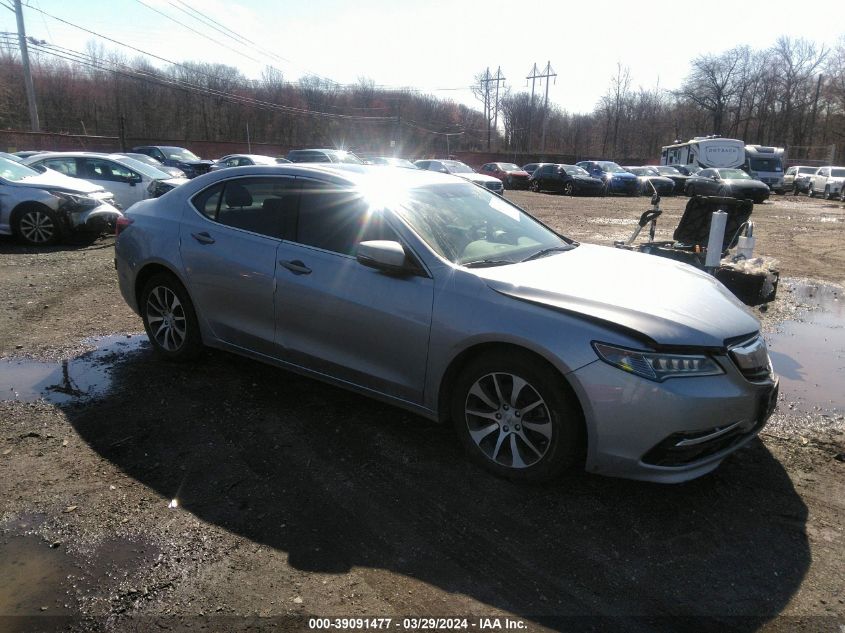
{"type": "Point", "coordinates": [295, 499]}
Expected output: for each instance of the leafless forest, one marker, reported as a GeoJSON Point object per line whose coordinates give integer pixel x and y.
{"type": "Point", "coordinates": [790, 94]}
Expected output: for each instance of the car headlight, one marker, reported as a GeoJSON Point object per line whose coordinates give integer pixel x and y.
{"type": "Point", "coordinates": [79, 200]}
{"type": "Point", "coordinates": [657, 366]}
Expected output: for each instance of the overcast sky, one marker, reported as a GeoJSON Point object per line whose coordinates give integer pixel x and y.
{"type": "Point", "coordinates": [438, 46]}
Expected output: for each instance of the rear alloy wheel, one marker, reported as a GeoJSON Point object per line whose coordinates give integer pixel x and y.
{"type": "Point", "coordinates": [569, 189]}
{"type": "Point", "coordinates": [38, 226]}
{"type": "Point", "coordinates": [514, 419]}
{"type": "Point", "coordinates": [169, 318]}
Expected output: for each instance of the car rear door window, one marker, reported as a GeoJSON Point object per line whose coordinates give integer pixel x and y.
{"type": "Point", "coordinates": [66, 166]}
{"type": "Point", "coordinates": [266, 206]}
{"type": "Point", "coordinates": [337, 220]}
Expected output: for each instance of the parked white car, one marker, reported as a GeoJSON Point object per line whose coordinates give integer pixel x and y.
{"type": "Point", "coordinates": [827, 181]}
{"type": "Point", "coordinates": [463, 170]}
{"type": "Point", "coordinates": [41, 209]}
{"type": "Point", "coordinates": [128, 179]}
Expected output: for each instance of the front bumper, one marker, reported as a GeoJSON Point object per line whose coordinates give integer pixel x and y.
{"type": "Point", "coordinates": [99, 219]}
{"type": "Point", "coordinates": [669, 431]}
{"type": "Point", "coordinates": [625, 186]}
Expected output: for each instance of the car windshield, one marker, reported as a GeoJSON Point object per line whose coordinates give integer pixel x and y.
{"type": "Point", "coordinates": [643, 171]}
{"type": "Point", "coordinates": [263, 160]}
{"type": "Point", "coordinates": [766, 164]}
{"type": "Point", "coordinates": [14, 171]}
{"type": "Point", "coordinates": [837, 173]}
{"type": "Point", "coordinates": [509, 167]}
{"type": "Point", "coordinates": [457, 167]}
{"type": "Point", "coordinates": [148, 170]}
{"type": "Point", "coordinates": [612, 168]}
{"type": "Point", "coordinates": [573, 170]}
{"type": "Point", "coordinates": [341, 156]}
{"type": "Point", "coordinates": [179, 153]}
{"type": "Point", "coordinates": [394, 162]}
{"type": "Point", "coordinates": [668, 171]}
{"type": "Point", "coordinates": [143, 158]}
{"type": "Point", "coordinates": [734, 174]}
{"type": "Point", "coordinates": [807, 170]}
{"type": "Point", "coordinates": [468, 225]}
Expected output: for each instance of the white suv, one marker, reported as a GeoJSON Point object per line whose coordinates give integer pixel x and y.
{"type": "Point", "coordinates": [827, 181]}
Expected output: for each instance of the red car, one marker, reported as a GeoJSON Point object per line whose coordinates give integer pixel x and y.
{"type": "Point", "coordinates": [512, 176]}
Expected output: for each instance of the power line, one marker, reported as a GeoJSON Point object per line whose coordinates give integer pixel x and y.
{"type": "Point", "coordinates": [200, 72]}
{"type": "Point", "coordinates": [141, 75]}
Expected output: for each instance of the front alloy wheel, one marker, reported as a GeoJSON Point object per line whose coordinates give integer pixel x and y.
{"type": "Point", "coordinates": [508, 420]}
{"type": "Point", "coordinates": [38, 227]}
{"type": "Point", "coordinates": [569, 189]}
{"type": "Point", "coordinates": [515, 418]}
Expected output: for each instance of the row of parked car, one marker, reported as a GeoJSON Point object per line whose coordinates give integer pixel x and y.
{"type": "Point", "coordinates": [827, 181]}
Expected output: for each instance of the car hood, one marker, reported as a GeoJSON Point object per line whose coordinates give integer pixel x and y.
{"type": "Point", "coordinates": [518, 172]}
{"type": "Point", "coordinates": [587, 179]}
{"type": "Point", "coordinates": [743, 182]}
{"type": "Point", "coordinates": [54, 180]}
{"type": "Point", "coordinates": [192, 163]}
{"type": "Point", "coordinates": [478, 177]}
{"type": "Point", "coordinates": [670, 303]}
{"type": "Point", "coordinates": [626, 175]}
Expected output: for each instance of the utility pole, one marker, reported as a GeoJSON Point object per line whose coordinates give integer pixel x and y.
{"type": "Point", "coordinates": [533, 77]}
{"type": "Point", "coordinates": [486, 82]}
{"type": "Point", "coordinates": [548, 74]}
{"type": "Point", "coordinates": [498, 78]}
{"type": "Point", "coordinates": [27, 72]}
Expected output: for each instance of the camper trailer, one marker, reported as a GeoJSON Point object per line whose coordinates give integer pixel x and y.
{"type": "Point", "coordinates": [706, 152]}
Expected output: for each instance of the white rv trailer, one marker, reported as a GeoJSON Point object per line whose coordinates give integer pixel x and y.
{"type": "Point", "coordinates": [766, 164]}
{"type": "Point", "coordinates": [706, 152]}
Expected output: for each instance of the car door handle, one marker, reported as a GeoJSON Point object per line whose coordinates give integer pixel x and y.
{"type": "Point", "coordinates": [296, 267]}
{"type": "Point", "coordinates": [203, 238]}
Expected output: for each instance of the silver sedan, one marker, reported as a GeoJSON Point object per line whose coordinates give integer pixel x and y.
{"type": "Point", "coordinates": [431, 293]}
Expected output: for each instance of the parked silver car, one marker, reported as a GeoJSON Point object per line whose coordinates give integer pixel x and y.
{"type": "Point", "coordinates": [42, 209]}
{"type": "Point", "coordinates": [128, 179]}
{"type": "Point", "coordinates": [440, 297]}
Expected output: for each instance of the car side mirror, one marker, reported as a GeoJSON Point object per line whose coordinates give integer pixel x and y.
{"type": "Point", "coordinates": [443, 170]}
{"type": "Point", "coordinates": [385, 255]}
{"type": "Point", "coordinates": [133, 180]}
{"type": "Point", "coordinates": [39, 168]}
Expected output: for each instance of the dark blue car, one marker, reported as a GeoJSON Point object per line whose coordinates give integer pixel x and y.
{"type": "Point", "coordinates": [178, 157]}
{"type": "Point", "coordinates": [615, 179]}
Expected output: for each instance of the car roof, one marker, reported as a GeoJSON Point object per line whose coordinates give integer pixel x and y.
{"type": "Point", "coordinates": [341, 173]}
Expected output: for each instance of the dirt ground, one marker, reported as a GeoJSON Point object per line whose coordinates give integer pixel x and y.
{"type": "Point", "coordinates": [227, 495]}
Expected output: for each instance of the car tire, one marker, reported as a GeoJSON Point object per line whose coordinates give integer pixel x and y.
{"type": "Point", "coordinates": [826, 195]}
{"type": "Point", "coordinates": [810, 192]}
{"type": "Point", "coordinates": [37, 225]}
{"type": "Point", "coordinates": [690, 191]}
{"type": "Point", "coordinates": [514, 418]}
{"type": "Point", "coordinates": [535, 186]}
{"type": "Point", "coordinates": [169, 319]}
{"type": "Point", "coordinates": [568, 189]}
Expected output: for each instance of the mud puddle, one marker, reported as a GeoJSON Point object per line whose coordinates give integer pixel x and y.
{"type": "Point", "coordinates": [809, 352]}
{"type": "Point", "coordinates": [44, 583]}
{"type": "Point", "coordinates": [84, 376]}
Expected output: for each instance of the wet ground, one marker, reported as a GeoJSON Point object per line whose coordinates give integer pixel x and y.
{"type": "Point", "coordinates": [228, 495]}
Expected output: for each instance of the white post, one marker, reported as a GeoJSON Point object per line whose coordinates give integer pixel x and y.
{"type": "Point", "coordinates": [718, 219]}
